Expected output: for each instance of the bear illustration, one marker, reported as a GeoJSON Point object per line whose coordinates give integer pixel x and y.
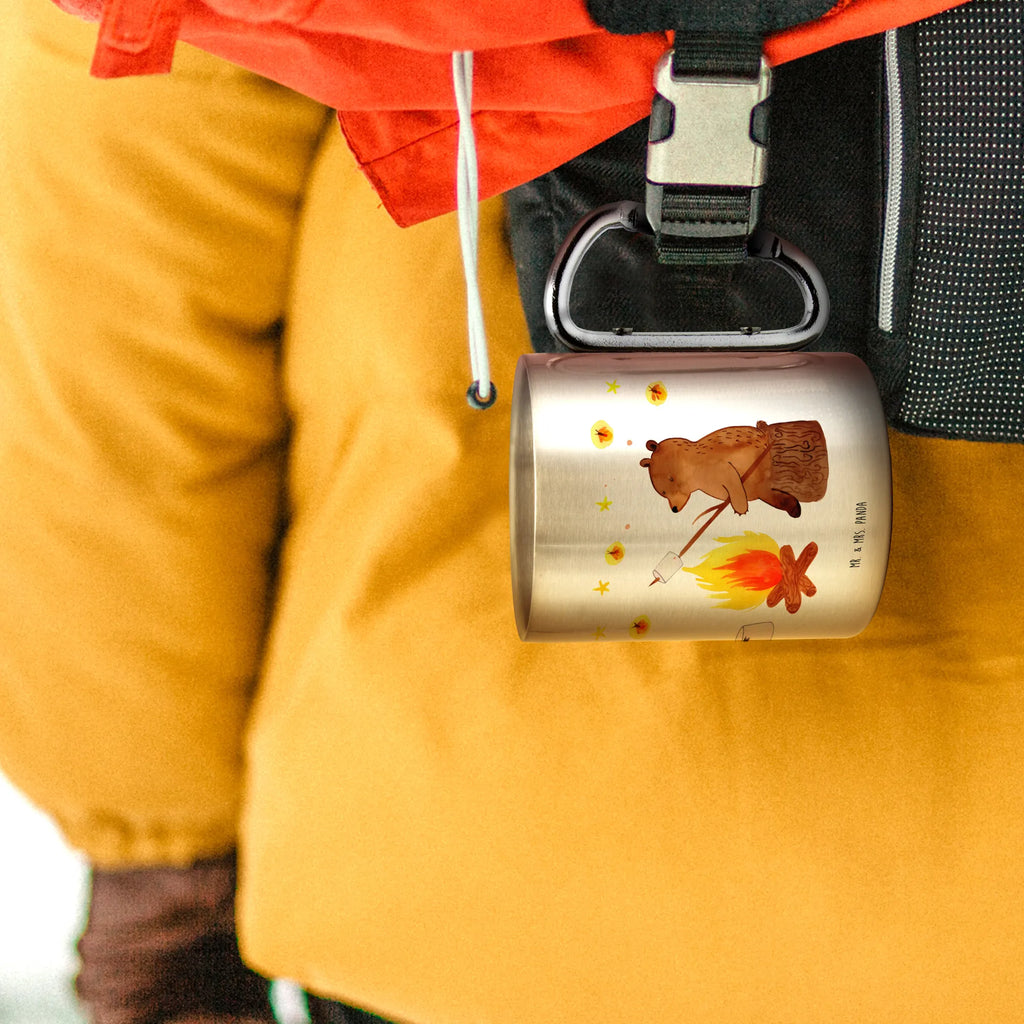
{"type": "Point", "coordinates": [782, 464]}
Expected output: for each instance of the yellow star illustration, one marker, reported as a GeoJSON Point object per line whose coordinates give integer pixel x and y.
{"type": "Point", "coordinates": [602, 587]}
{"type": "Point", "coordinates": [604, 504]}
{"type": "Point", "coordinates": [599, 633]}
{"type": "Point", "coordinates": [613, 387]}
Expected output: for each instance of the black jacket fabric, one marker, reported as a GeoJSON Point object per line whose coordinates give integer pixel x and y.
{"type": "Point", "coordinates": [897, 164]}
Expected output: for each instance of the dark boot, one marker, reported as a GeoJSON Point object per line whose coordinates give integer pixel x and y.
{"type": "Point", "coordinates": [160, 945]}
{"type": "Point", "coordinates": [326, 1011]}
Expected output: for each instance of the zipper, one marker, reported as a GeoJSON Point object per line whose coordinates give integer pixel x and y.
{"type": "Point", "coordinates": [894, 183]}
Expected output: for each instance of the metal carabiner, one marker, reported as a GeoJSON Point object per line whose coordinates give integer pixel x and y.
{"type": "Point", "coordinates": [629, 216]}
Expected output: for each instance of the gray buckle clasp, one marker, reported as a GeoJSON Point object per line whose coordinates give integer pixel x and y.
{"type": "Point", "coordinates": [627, 216]}
{"type": "Point", "coordinates": [706, 132]}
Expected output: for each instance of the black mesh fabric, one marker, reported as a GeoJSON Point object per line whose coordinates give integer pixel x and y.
{"type": "Point", "coordinates": [963, 321]}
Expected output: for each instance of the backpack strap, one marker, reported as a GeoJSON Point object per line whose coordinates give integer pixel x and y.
{"type": "Point", "coordinates": [706, 147]}
{"type": "Point", "coordinates": [732, 17]}
{"type": "Point", "coordinates": [709, 123]}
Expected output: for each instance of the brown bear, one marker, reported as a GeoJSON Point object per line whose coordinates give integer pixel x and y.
{"type": "Point", "coordinates": [781, 464]}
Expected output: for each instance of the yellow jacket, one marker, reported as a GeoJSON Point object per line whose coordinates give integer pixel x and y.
{"type": "Point", "coordinates": [437, 820]}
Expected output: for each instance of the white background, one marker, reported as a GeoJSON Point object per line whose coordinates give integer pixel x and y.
{"type": "Point", "coordinates": [42, 896]}
{"type": "Point", "coordinates": [43, 887]}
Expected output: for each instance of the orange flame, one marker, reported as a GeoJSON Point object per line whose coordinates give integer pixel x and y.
{"type": "Point", "coordinates": [753, 570]}
{"type": "Point", "coordinates": [741, 571]}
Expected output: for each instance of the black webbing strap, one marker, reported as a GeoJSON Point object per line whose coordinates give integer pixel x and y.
{"type": "Point", "coordinates": [732, 17]}
{"type": "Point", "coordinates": [716, 54]}
{"type": "Point", "coordinates": [684, 209]}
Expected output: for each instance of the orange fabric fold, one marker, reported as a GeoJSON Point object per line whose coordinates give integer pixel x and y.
{"type": "Point", "coordinates": [548, 82]}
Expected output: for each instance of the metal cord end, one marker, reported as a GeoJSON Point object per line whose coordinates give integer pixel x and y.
{"type": "Point", "coordinates": [474, 399]}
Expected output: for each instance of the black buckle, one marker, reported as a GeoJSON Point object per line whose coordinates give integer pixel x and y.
{"type": "Point", "coordinates": [706, 161]}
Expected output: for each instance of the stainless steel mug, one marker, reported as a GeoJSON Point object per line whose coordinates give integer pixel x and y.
{"type": "Point", "coordinates": [697, 495]}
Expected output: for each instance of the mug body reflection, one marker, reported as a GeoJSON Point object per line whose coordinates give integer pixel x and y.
{"type": "Point", "coordinates": [697, 496]}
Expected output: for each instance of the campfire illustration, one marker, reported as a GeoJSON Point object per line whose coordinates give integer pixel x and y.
{"type": "Point", "coordinates": [743, 571]}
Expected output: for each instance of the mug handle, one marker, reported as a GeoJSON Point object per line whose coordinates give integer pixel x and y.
{"type": "Point", "coordinates": [628, 216]}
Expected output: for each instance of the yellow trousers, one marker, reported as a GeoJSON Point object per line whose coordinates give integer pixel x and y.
{"type": "Point", "coordinates": [254, 588]}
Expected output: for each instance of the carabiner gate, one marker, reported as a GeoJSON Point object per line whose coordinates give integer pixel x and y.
{"type": "Point", "coordinates": [629, 216]}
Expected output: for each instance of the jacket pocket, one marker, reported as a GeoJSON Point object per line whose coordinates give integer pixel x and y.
{"type": "Point", "coordinates": [950, 305]}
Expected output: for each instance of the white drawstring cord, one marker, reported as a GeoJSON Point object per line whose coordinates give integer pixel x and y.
{"type": "Point", "coordinates": [482, 393]}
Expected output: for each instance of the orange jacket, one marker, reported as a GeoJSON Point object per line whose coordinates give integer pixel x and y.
{"type": "Point", "coordinates": [549, 83]}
